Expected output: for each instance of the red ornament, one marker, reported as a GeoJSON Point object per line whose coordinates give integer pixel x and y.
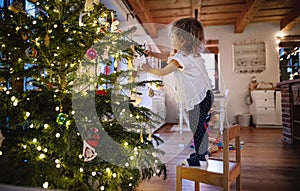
{"type": "Point", "coordinates": [50, 85]}
{"type": "Point", "coordinates": [107, 70]}
{"type": "Point", "coordinates": [94, 137]}
{"type": "Point", "coordinates": [31, 52]}
{"type": "Point", "coordinates": [101, 92]}
{"type": "Point", "coordinates": [91, 54]}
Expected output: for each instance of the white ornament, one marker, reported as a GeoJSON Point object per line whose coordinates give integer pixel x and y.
{"type": "Point", "coordinates": [114, 26]}
{"type": "Point", "coordinates": [89, 153]}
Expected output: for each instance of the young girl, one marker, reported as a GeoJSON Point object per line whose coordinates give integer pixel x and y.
{"type": "Point", "coordinates": [191, 79]}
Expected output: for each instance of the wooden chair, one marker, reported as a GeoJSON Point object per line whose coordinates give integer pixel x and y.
{"type": "Point", "coordinates": [219, 172]}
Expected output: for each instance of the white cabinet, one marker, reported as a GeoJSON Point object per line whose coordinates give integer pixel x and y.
{"type": "Point", "coordinates": [156, 103]}
{"type": "Point", "coordinates": [266, 107]}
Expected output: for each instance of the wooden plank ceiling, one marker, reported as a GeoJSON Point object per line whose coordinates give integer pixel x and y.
{"type": "Point", "coordinates": [239, 13]}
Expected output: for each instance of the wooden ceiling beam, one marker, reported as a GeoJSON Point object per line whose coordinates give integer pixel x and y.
{"type": "Point", "coordinates": [290, 20]}
{"type": "Point", "coordinates": [196, 9]}
{"type": "Point", "coordinates": [251, 8]}
{"type": "Point", "coordinates": [141, 11]}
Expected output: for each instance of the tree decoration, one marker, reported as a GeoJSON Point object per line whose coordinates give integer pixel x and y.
{"type": "Point", "coordinates": [1, 138]}
{"type": "Point", "coordinates": [107, 70]}
{"type": "Point", "coordinates": [89, 152]}
{"type": "Point", "coordinates": [150, 92]}
{"type": "Point", "coordinates": [92, 137]}
{"type": "Point", "coordinates": [16, 7]}
{"type": "Point", "coordinates": [101, 92]}
{"type": "Point", "coordinates": [61, 118]}
{"type": "Point", "coordinates": [31, 52]}
{"type": "Point", "coordinates": [141, 134]}
{"type": "Point", "coordinates": [114, 26]}
{"type": "Point", "coordinates": [47, 40]}
{"type": "Point", "coordinates": [91, 54]}
{"type": "Point", "coordinates": [23, 35]}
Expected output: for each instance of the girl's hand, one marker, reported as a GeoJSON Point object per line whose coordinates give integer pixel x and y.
{"type": "Point", "coordinates": [148, 52]}
{"type": "Point", "coordinates": [146, 67]}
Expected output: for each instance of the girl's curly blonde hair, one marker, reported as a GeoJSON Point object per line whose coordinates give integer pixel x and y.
{"type": "Point", "coordinates": [189, 32]}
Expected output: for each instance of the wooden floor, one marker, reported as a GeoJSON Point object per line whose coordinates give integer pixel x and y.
{"type": "Point", "coordinates": [268, 164]}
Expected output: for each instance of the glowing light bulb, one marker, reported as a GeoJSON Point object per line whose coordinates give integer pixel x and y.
{"type": "Point", "coordinates": [27, 114]}
{"type": "Point", "coordinates": [13, 98]}
{"type": "Point", "coordinates": [42, 156]}
{"type": "Point", "coordinates": [45, 185]}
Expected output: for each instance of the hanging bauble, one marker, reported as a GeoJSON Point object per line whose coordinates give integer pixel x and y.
{"type": "Point", "coordinates": [141, 135]}
{"type": "Point", "coordinates": [31, 52]}
{"type": "Point", "coordinates": [91, 54]}
{"type": "Point", "coordinates": [107, 70]}
{"type": "Point", "coordinates": [50, 84]}
{"type": "Point", "coordinates": [101, 92]}
{"type": "Point", "coordinates": [88, 152]}
{"type": "Point", "coordinates": [23, 35]}
{"type": "Point", "coordinates": [134, 74]}
{"type": "Point", "coordinates": [1, 138]}
{"type": "Point", "coordinates": [92, 137]}
{"type": "Point", "coordinates": [61, 118]}
{"type": "Point", "coordinates": [114, 26]}
{"type": "Point", "coordinates": [47, 40]}
{"type": "Point", "coordinates": [151, 92]}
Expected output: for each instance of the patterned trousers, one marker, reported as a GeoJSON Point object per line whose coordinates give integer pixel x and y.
{"type": "Point", "coordinates": [197, 118]}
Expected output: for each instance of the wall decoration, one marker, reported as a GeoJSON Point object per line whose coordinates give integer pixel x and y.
{"type": "Point", "coordinates": [249, 56]}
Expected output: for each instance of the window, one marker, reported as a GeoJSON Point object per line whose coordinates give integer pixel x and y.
{"type": "Point", "coordinates": [5, 3]}
{"type": "Point", "coordinates": [211, 62]}
{"type": "Point", "coordinates": [289, 57]}
{"type": "Point", "coordinates": [289, 63]}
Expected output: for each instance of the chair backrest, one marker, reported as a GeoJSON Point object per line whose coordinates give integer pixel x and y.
{"type": "Point", "coordinates": [226, 98]}
{"type": "Point", "coordinates": [229, 134]}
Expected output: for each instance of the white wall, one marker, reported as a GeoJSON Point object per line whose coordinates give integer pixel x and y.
{"type": "Point", "coordinates": [238, 83]}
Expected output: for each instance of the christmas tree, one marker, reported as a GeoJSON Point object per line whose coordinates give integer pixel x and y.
{"type": "Point", "coordinates": [69, 115]}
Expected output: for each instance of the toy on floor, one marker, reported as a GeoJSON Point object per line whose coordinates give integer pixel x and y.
{"type": "Point", "coordinates": [231, 146]}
